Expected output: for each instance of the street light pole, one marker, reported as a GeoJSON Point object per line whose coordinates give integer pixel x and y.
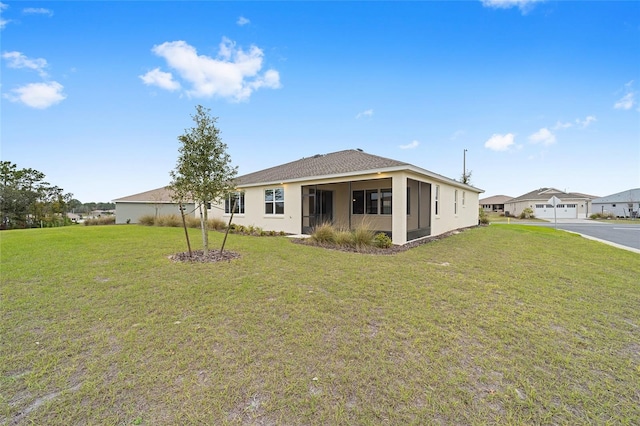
{"type": "Point", "coordinates": [464, 166]}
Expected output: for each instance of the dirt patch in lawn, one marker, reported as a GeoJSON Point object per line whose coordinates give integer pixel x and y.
{"type": "Point", "coordinates": [199, 256]}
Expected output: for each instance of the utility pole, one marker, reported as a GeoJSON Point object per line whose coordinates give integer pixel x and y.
{"type": "Point", "coordinates": [464, 166]}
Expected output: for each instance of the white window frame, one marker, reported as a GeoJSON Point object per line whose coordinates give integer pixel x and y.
{"type": "Point", "coordinates": [455, 201]}
{"type": "Point", "coordinates": [228, 202]}
{"type": "Point", "coordinates": [274, 201]}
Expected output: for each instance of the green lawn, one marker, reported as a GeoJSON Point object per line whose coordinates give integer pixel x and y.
{"type": "Point", "coordinates": [497, 218]}
{"type": "Point", "coordinates": [497, 325]}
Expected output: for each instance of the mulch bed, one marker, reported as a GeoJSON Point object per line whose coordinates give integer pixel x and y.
{"type": "Point", "coordinates": [376, 250]}
{"type": "Point", "coordinates": [212, 256]}
{"type": "Point", "coordinates": [216, 256]}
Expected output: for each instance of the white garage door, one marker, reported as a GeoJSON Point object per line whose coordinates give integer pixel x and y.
{"type": "Point", "coordinates": [563, 211]}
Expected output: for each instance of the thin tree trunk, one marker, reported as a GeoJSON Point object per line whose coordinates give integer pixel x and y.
{"type": "Point", "coordinates": [184, 225]}
{"type": "Point", "coordinates": [203, 227]}
{"type": "Point", "coordinates": [206, 228]}
{"type": "Point", "coordinates": [233, 209]}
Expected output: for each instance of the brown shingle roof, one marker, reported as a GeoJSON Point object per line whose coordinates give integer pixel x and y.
{"type": "Point", "coordinates": [335, 163]}
{"type": "Point", "coordinates": [496, 199]}
{"type": "Point", "coordinates": [159, 195]}
{"type": "Point", "coordinates": [544, 194]}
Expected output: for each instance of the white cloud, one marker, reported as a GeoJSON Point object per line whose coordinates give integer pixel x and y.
{"type": "Point", "coordinates": [37, 11]}
{"type": "Point", "coordinates": [161, 79]}
{"type": "Point", "coordinates": [524, 5]}
{"type": "Point", "coordinates": [234, 74]}
{"type": "Point", "coordinates": [412, 145]}
{"type": "Point", "coordinates": [584, 123]}
{"type": "Point", "coordinates": [560, 125]}
{"type": "Point", "coordinates": [498, 142]}
{"type": "Point", "coordinates": [628, 100]}
{"type": "Point", "coordinates": [18, 60]}
{"type": "Point", "coordinates": [3, 22]}
{"type": "Point", "coordinates": [367, 113]}
{"type": "Point", "coordinates": [543, 136]}
{"type": "Point", "coordinates": [38, 95]}
{"type": "Point", "coordinates": [243, 21]}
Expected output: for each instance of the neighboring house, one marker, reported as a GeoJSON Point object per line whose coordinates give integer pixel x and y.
{"type": "Point", "coordinates": [157, 202]}
{"type": "Point", "coordinates": [349, 188]}
{"type": "Point", "coordinates": [622, 204]}
{"type": "Point", "coordinates": [75, 218]}
{"type": "Point", "coordinates": [495, 203]}
{"type": "Point", "coordinates": [571, 206]}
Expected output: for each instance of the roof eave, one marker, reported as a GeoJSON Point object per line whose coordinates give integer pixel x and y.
{"type": "Point", "coordinates": [406, 167]}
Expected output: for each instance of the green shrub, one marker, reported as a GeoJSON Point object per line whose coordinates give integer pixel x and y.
{"type": "Point", "coordinates": [526, 214]}
{"type": "Point", "coordinates": [107, 220]}
{"type": "Point", "coordinates": [216, 224]}
{"type": "Point", "coordinates": [147, 220]}
{"type": "Point", "coordinates": [192, 222]}
{"type": "Point", "coordinates": [172, 221]}
{"type": "Point", "coordinates": [344, 238]}
{"type": "Point", "coordinates": [607, 215]}
{"type": "Point", "coordinates": [483, 218]}
{"type": "Point", "coordinates": [363, 236]}
{"type": "Point", "coordinates": [382, 240]}
{"type": "Point", "coordinates": [324, 234]}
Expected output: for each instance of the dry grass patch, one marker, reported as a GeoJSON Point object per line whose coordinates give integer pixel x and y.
{"type": "Point", "coordinates": [498, 325]}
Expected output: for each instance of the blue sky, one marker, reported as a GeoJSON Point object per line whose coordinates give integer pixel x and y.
{"type": "Point", "coordinates": [540, 93]}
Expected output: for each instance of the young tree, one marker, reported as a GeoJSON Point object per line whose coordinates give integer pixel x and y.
{"type": "Point", "coordinates": [203, 171]}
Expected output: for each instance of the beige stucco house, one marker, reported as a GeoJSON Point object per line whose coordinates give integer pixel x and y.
{"type": "Point", "coordinates": [571, 206]}
{"type": "Point", "coordinates": [157, 202]}
{"type": "Point", "coordinates": [349, 188]}
{"type": "Point", "coordinates": [495, 203]}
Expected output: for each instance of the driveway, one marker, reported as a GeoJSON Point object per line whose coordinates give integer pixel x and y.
{"type": "Point", "coordinates": [626, 236]}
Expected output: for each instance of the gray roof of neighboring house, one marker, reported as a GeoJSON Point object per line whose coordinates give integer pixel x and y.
{"type": "Point", "coordinates": [158, 195]}
{"type": "Point", "coordinates": [351, 161]}
{"type": "Point", "coordinates": [629, 196]}
{"type": "Point", "coordinates": [544, 194]}
{"type": "Point", "coordinates": [496, 199]}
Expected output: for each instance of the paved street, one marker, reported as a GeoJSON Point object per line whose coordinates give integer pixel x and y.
{"type": "Point", "coordinates": [627, 235]}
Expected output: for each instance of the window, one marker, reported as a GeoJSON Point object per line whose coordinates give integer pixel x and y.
{"type": "Point", "coordinates": [571, 206]}
{"type": "Point", "coordinates": [408, 201]}
{"type": "Point", "coordinates": [358, 202]}
{"type": "Point", "coordinates": [464, 194]}
{"type": "Point", "coordinates": [455, 202]}
{"type": "Point", "coordinates": [372, 201]}
{"type": "Point", "coordinates": [437, 199]}
{"type": "Point", "coordinates": [238, 198]}
{"type": "Point", "coordinates": [274, 201]}
{"type": "Point", "coordinates": [539, 206]}
{"type": "Point", "coordinates": [385, 201]}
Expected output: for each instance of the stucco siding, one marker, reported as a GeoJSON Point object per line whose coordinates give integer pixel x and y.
{"type": "Point", "coordinates": [450, 217]}
{"type": "Point", "coordinates": [623, 209]}
{"type": "Point", "coordinates": [133, 211]}
{"type": "Point", "coordinates": [451, 214]}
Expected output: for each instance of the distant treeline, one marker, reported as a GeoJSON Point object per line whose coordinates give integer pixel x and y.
{"type": "Point", "coordinates": [28, 201]}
